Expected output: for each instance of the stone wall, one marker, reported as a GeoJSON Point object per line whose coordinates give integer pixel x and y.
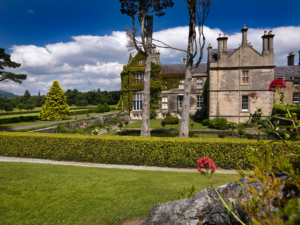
{"type": "Point", "coordinates": [75, 125]}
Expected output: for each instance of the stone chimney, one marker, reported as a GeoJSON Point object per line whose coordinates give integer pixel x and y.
{"type": "Point", "coordinates": [208, 53]}
{"type": "Point", "coordinates": [157, 58]}
{"type": "Point", "coordinates": [184, 60]}
{"type": "Point", "coordinates": [291, 59]}
{"type": "Point", "coordinates": [225, 43]}
{"type": "Point", "coordinates": [220, 43]}
{"type": "Point", "coordinates": [244, 33]}
{"type": "Point", "coordinates": [268, 47]}
{"type": "Point", "coordinates": [270, 39]}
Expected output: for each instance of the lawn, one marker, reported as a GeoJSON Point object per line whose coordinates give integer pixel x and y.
{"type": "Point", "coordinates": [156, 124]}
{"type": "Point", "coordinates": [56, 194]}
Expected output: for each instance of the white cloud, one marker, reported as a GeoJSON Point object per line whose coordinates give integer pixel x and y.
{"type": "Point", "coordinates": [91, 62]}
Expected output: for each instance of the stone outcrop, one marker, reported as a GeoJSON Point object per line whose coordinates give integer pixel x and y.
{"type": "Point", "coordinates": [204, 208]}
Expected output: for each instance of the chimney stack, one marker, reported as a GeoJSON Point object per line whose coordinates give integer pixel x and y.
{"type": "Point", "coordinates": [220, 44]}
{"type": "Point", "coordinates": [291, 59]}
{"type": "Point", "coordinates": [268, 47]}
{"type": "Point", "coordinates": [184, 60]}
{"type": "Point", "coordinates": [225, 43]}
{"type": "Point", "coordinates": [244, 33]}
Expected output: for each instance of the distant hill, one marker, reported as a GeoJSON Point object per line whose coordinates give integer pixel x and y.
{"type": "Point", "coordinates": [7, 94]}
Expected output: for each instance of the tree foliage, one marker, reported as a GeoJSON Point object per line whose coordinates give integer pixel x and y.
{"type": "Point", "coordinates": [55, 107]}
{"type": "Point", "coordinates": [5, 62]}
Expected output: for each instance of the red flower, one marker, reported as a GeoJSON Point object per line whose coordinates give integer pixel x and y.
{"type": "Point", "coordinates": [253, 94]}
{"type": "Point", "coordinates": [277, 83]}
{"type": "Point", "coordinates": [205, 164]}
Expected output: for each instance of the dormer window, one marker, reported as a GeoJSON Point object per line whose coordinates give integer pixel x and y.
{"type": "Point", "coordinates": [141, 62]}
{"type": "Point", "coordinates": [181, 84]}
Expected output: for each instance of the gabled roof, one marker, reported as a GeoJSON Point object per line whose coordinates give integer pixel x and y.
{"type": "Point", "coordinates": [180, 68]}
{"type": "Point", "coordinates": [214, 54]}
{"type": "Point", "coordinates": [287, 71]}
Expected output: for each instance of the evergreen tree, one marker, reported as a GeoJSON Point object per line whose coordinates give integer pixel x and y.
{"type": "Point", "coordinates": [17, 100]}
{"type": "Point", "coordinates": [55, 107]}
{"type": "Point", "coordinates": [8, 107]}
{"type": "Point", "coordinates": [20, 106]}
{"type": "Point", "coordinates": [2, 106]}
{"type": "Point", "coordinates": [26, 97]}
{"type": "Point", "coordinates": [106, 107]}
{"type": "Point", "coordinates": [6, 62]}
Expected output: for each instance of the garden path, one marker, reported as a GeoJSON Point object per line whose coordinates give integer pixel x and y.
{"type": "Point", "coordinates": [52, 122]}
{"type": "Point", "coordinates": [108, 166]}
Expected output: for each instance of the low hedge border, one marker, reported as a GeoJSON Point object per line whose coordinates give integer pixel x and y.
{"type": "Point", "coordinates": [163, 152]}
{"type": "Point", "coordinates": [18, 119]}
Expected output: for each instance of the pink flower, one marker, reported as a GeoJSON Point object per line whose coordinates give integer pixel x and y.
{"type": "Point", "coordinates": [253, 94]}
{"type": "Point", "coordinates": [277, 83]}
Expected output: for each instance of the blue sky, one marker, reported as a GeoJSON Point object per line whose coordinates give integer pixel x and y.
{"type": "Point", "coordinates": [43, 36]}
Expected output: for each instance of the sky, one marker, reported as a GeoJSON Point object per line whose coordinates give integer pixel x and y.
{"type": "Point", "coordinates": [82, 44]}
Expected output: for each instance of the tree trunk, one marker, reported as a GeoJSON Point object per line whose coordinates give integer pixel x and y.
{"type": "Point", "coordinates": [184, 125]}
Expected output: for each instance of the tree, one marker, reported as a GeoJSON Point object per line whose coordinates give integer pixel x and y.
{"type": "Point", "coordinates": [8, 107]}
{"type": "Point", "coordinates": [2, 106]}
{"type": "Point", "coordinates": [20, 106]}
{"type": "Point", "coordinates": [106, 107]}
{"type": "Point", "coordinates": [145, 10]}
{"type": "Point", "coordinates": [26, 96]}
{"type": "Point", "coordinates": [55, 107]}
{"type": "Point", "coordinates": [6, 62]}
{"type": "Point", "coordinates": [99, 108]}
{"type": "Point", "coordinates": [81, 101]}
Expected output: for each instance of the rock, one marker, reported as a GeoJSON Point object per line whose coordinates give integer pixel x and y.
{"type": "Point", "coordinates": [204, 208]}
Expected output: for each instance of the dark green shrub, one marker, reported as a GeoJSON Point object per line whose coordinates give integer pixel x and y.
{"type": "Point", "coordinates": [205, 122]}
{"type": "Point", "coordinates": [168, 114]}
{"type": "Point", "coordinates": [18, 119]}
{"type": "Point", "coordinates": [171, 120]}
{"type": "Point", "coordinates": [218, 123]}
{"type": "Point", "coordinates": [281, 110]}
{"type": "Point", "coordinates": [221, 135]}
{"type": "Point", "coordinates": [99, 108]}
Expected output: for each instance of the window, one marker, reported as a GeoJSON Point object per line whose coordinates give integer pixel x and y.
{"type": "Point", "coordinates": [296, 81]}
{"type": "Point", "coordinates": [135, 116]}
{"type": "Point", "coordinates": [199, 102]}
{"type": "Point", "coordinates": [245, 77]}
{"type": "Point", "coordinates": [245, 103]}
{"type": "Point", "coordinates": [181, 84]}
{"type": "Point", "coordinates": [180, 100]}
{"type": "Point", "coordinates": [199, 83]}
{"type": "Point", "coordinates": [296, 96]}
{"type": "Point", "coordinates": [138, 78]}
{"type": "Point", "coordinates": [164, 103]}
{"type": "Point", "coordinates": [141, 62]}
{"type": "Point", "coordinates": [138, 102]}
{"type": "Point", "coordinates": [280, 100]}
{"type": "Point", "coordinates": [164, 115]}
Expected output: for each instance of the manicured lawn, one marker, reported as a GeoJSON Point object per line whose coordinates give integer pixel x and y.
{"type": "Point", "coordinates": [156, 124]}
{"type": "Point", "coordinates": [56, 194]}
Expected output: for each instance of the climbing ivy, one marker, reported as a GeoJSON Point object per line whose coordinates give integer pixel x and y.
{"type": "Point", "coordinates": [129, 88]}
{"type": "Point", "coordinates": [171, 80]}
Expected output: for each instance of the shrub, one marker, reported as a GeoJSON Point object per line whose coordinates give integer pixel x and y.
{"type": "Point", "coordinates": [106, 107]}
{"type": "Point", "coordinates": [18, 119]}
{"type": "Point", "coordinates": [205, 122]}
{"type": "Point", "coordinates": [218, 123]}
{"type": "Point", "coordinates": [124, 150]}
{"type": "Point", "coordinates": [171, 120]}
{"type": "Point", "coordinates": [99, 108]}
{"type": "Point", "coordinates": [221, 135]}
{"type": "Point", "coordinates": [281, 110]}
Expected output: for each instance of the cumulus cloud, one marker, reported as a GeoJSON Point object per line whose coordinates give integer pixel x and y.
{"type": "Point", "coordinates": [91, 62]}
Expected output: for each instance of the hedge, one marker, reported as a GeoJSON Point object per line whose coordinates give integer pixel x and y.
{"type": "Point", "coordinates": [163, 152]}
{"type": "Point", "coordinates": [18, 119]}
{"type": "Point", "coordinates": [280, 110]}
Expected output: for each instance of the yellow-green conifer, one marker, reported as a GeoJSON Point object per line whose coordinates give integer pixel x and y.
{"type": "Point", "coordinates": [55, 107]}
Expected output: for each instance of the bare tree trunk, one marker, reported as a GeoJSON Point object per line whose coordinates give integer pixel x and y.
{"type": "Point", "coordinates": [145, 129]}
{"type": "Point", "coordinates": [184, 125]}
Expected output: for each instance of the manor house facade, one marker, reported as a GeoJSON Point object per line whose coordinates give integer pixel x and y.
{"type": "Point", "coordinates": [226, 79]}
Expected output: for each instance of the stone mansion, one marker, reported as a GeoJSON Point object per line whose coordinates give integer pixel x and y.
{"type": "Point", "coordinates": [227, 78]}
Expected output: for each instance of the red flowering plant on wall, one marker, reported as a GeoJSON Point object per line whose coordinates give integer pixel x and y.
{"type": "Point", "coordinates": [276, 85]}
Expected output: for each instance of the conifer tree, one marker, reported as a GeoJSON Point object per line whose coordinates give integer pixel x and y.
{"type": "Point", "coordinates": [55, 107]}
{"type": "Point", "coordinates": [106, 107]}
{"type": "Point", "coordinates": [99, 108]}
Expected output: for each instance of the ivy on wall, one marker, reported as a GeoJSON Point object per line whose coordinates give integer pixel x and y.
{"type": "Point", "coordinates": [129, 88]}
{"type": "Point", "coordinates": [171, 80]}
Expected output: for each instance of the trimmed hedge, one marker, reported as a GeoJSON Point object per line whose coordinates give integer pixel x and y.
{"type": "Point", "coordinates": [171, 120]}
{"type": "Point", "coordinates": [18, 119]}
{"type": "Point", "coordinates": [280, 110]}
{"type": "Point", "coordinates": [164, 152]}
{"type": "Point", "coordinates": [79, 112]}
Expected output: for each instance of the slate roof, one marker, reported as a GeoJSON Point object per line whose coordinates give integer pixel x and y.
{"type": "Point", "coordinates": [214, 54]}
{"type": "Point", "coordinates": [180, 68]}
{"type": "Point", "coordinates": [287, 71]}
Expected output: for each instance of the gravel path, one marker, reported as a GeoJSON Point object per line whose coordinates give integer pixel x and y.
{"type": "Point", "coordinates": [52, 122]}
{"type": "Point", "coordinates": [109, 166]}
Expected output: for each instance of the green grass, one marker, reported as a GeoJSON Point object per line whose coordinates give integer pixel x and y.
{"type": "Point", "coordinates": [156, 124]}
{"type": "Point", "coordinates": [55, 194]}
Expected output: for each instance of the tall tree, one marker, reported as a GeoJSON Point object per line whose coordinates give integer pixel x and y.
{"type": "Point", "coordinates": [55, 107]}
{"type": "Point", "coordinates": [144, 9]}
{"type": "Point", "coordinates": [26, 96]}
{"type": "Point", "coordinates": [6, 62]}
